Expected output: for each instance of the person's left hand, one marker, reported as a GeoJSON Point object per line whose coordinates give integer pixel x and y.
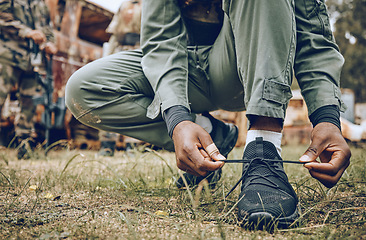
{"type": "Point", "coordinates": [328, 144]}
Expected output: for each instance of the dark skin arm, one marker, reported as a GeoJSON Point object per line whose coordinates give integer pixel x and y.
{"type": "Point", "coordinates": [190, 141]}
{"type": "Point", "coordinates": [328, 144]}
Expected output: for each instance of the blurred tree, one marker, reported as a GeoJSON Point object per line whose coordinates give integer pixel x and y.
{"type": "Point", "coordinates": [350, 34]}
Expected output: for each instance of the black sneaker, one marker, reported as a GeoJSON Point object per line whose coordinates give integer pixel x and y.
{"type": "Point", "coordinates": [224, 136]}
{"type": "Point", "coordinates": [267, 199]}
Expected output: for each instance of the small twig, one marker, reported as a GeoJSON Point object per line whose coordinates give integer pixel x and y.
{"type": "Point", "coordinates": [198, 194]}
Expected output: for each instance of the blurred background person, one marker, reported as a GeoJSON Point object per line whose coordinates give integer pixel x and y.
{"type": "Point", "coordinates": [25, 31]}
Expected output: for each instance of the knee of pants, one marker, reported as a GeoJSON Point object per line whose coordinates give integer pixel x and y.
{"type": "Point", "coordinates": [96, 96]}
{"type": "Point", "coordinates": [72, 93]}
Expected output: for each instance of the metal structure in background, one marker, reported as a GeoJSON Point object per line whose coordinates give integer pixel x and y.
{"type": "Point", "coordinates": [80, 31]}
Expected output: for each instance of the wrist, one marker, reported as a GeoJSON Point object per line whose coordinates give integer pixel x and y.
{"type": "Point", "coordinates": [326, 114]}
{"type": "Point", "coordinates": [175, 115]}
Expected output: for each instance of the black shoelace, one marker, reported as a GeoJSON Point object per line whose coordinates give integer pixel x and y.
{"type": "Point", "coordinates": [250, 161]}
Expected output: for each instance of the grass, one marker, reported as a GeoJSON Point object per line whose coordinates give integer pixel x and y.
{"type": "Point", "coordinates": [73, 194]}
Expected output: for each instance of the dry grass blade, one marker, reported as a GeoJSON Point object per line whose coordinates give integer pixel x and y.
{"type": "Point", "coordinates": [162, 158]}
{"type": "Point", "coordinates": [198, 193]}
{"type": "Point", "coordinates": [232, 208]}
{"type": "Point", "coordinates": [5, 158]}
{"type": "Point", "coordinates": [112, 171]}
{"type": "Point", "coordinates": [68, 162]}
{"type": "Point", "coordinates": [339, 210]}
{"type": "Point", "coordinates": [20, 193]}
{"type": "Point", "coordinates": [187, 188]}
{"type": "Point", "coordinates": [63, 142]}
{"type": "Point", "coordinates": [301, 229]}
{"type": "Point", "coordinates": [7, 179]}
{"type": "Point", "coordinates": [128, 223]}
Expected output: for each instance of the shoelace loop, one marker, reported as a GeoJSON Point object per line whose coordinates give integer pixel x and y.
{"type": "Point", "coordinates": [250, 161]}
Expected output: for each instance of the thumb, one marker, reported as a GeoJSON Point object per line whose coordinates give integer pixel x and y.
{"type": "Point", "coordinates": [311, 154]}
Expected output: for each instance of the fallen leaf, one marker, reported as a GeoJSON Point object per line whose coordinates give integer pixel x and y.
{"type": "Point", "coordinates": [161, 213]}
{"type": "Point", "coordinates": [33, 188]}
{"type": "Point", "coordinates": [49, 196]}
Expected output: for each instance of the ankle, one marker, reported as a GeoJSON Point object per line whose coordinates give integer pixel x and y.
{"type": "Point", "coordinates": [265, 123]}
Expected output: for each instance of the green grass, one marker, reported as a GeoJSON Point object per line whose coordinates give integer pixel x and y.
{"type": "Point", "coordinates": [132, 196]}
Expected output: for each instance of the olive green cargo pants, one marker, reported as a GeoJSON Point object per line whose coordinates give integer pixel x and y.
{"type": "Point", "coordinates": [250, 66]}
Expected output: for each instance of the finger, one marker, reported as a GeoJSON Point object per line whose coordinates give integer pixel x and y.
{"type": "Point", "coordinates": [211, 149]}
{"type": "Point", "coordinates": [327, 180]}
{"type": "Point", "coordinates": [337, 162]}
{"type": "Point", "coordinates": [205, 163]}
{"type": "Point", "coordinates": [40, 38]}
{"type": "Point", "coordinates": [208, 158]}
{"type": "Point", "coordinates": [186, 168]}
{"type": "Point", "coordinates": [324, 168]}
{"type": "Point", "coordinates": [189, 170]}
{"type": "Point", "coordinates": [197, 162]}
{"type": "Point", "coordinates": [213, 152]}
{"type": "Point", "coordinates": [314, 150]}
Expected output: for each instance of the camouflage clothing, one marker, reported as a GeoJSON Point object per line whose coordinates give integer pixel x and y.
{"type": "Point", "coordinates": [125, 27]}
{"type": "Point", "coordinates": [27, 88]}
{"type": "Point", "coordinates": [17, 19]}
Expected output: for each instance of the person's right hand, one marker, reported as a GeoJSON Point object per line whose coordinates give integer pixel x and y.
{"type": "Point", "coordinates": [37, 36]}
{"type": "Point", "coordinates": [191, 142]}
{"type": "Point", "coordinates": [50, 48]}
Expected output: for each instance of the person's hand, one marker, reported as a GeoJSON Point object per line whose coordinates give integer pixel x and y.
{"type": "Point", "coordinates": [328, 144]}
{"type": "Point", "coordinates": [37, 36]}
{"type": "Point", "coordinates": [50, 48]}
{"type": "Point", "coordinates": [194, 149]}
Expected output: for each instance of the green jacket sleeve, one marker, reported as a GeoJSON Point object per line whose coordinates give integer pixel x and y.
{"type": "Point", "coordinates": [165, 58]}
{"type": "Point", "coordinates": [318, 62]}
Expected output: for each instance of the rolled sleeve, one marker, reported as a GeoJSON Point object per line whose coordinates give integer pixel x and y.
{"type": "Point", "coordinates": [165, 57]}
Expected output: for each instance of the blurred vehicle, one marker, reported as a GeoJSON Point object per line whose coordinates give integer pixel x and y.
{"type": "Point", "coordinates": [80, 33]}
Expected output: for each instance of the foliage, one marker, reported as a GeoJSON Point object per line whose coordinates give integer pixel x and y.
{"type": "Point", "coordinates": [350, 34]}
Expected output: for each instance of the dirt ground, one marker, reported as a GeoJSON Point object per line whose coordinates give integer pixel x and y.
{"type": "Point", "coordinates": [73, 194]}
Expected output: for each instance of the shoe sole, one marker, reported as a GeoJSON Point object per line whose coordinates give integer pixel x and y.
{"type": "Point", "coordinates": [266, 221]}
